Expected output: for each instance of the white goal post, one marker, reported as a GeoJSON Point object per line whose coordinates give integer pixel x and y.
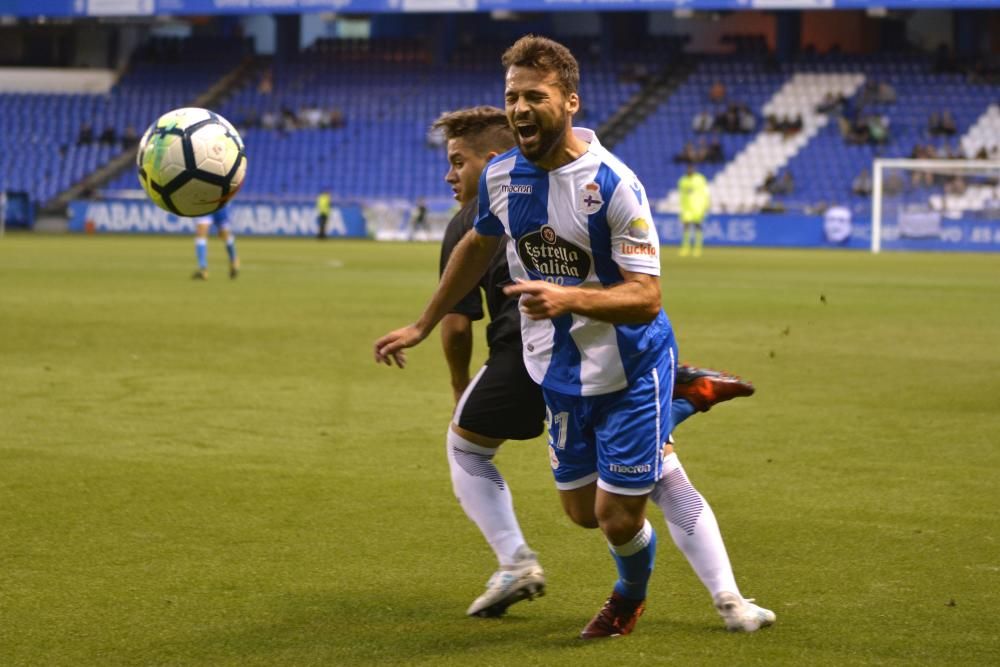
{"type": "Point", "coordinates": [931, 167]}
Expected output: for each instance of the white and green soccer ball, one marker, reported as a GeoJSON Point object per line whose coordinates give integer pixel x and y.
{"type": "Point", "coordinates": [191, 161]}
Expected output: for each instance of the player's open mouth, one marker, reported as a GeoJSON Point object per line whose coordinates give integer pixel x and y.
{"type": "Point", "coordinates": [527, 130]}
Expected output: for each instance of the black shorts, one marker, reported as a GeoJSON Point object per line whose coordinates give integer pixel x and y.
{"type": "Point", "coordinates": [502, 401]}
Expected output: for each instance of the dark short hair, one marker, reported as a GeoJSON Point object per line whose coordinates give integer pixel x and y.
{"type": "Point", "coordinates": [484, 128]}
{"type": "Point", "coordinates": [546, 55]}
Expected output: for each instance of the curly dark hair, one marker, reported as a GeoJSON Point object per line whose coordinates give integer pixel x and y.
{"type": "Point", "coordinates": [547, 55]}
{"type": "Point", "coordinates": [484, 128]}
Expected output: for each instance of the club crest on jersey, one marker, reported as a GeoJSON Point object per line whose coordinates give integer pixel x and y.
{"type": "Point", "coordinates": [588, 199]}
{"type": "Point", "coordinates": [548, 257]}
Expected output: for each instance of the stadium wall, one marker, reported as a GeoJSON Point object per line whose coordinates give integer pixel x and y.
{"type": "Point", "coordinates": [813, 231]}
{"type": "Point", "coordinates": [246, 218]}
{"type": "Point", "coordinates": [352, 220]}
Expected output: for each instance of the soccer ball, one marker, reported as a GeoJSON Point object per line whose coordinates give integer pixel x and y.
{"type": "Point", "coordinates": [191, 162]}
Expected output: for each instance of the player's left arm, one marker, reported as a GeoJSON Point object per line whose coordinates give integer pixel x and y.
{"type": "Point", "coordinates": [635, 300]}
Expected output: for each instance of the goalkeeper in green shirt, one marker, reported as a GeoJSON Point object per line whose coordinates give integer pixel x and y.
{"type": "Point", "coordinates": [694, 206]}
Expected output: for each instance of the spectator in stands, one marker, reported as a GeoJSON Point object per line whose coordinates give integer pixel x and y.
{"type": "Point", "coordinates": [727, 120]}
{"type": "Point", "coordinates": [129, 137]}
{"type": "Point", "coordinates": [702, 122]}
{"type": "Point", "coordinates": [269, 120]}
{"type": "Point", "coordinates": [250, 118]}
{"type": "Point", "coordinates": [862, 184]}
{"type": "Point", "coordinates": [786, 184]}
{"type": "Point", "coordinates": [853, 132]}
{"type": "Point", "coordinates": [877, 128]}
{"type": "Point", "coordinates": [715, 153]}
{"type": "Point", "coordinates": [934, 123]}
{"type": "Point", "coordinates": [833, 103]}
{"type": "Point", "coordinates": [86, 135]}
{"type": "Point", "coordinates": [991, 153]}
{"type": "Point", "coordinates": [941, 123]}
{"type": "Point", "coordinates": [877, 92]}
{"type": "Point", "coordinates": [687, 155]}
{"type": "Point", "coordinates": [336, 119]}
{"type": "Point", "coordinates": [918, 177]}
{"type": "Point", "coordinates": [746, 121]}
{"type": "Point", "coordinates": [886, 93]}
{"type": "Point", "coordinates": [701, 150]}
{"type": "Point", "coordinates": [108, 136]}
{"type": "Point", "coordinates": [786, 125]}
{"type": "Point", "coordinates": [955, 186]}
{"type": "Point", "coordinates": [309, 117]}
{"type": "Point", "coordinates": [266, 84]}
{"type": "Point", "coordinates": [717, 93]}
{"type": "Point", "coordinates": [435, 137]}
{"type": "Point", "coordinates": [818, 208]}
{"type": "Point", "coordinates": [893, 184]}
{"type": "Point", "coordinates": [869, 91]}
{"type": "Point", "coordinates": [289, 123]}
{"type": "Point", "coordinates": [948, 126]}
{"type": "Point", "coordinates": [770, 181]}
{"type": "Point", "coordinates": [778, 186]}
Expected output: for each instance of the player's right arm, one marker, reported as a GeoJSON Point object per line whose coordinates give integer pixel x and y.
{"type": "Point", "coordinates": [467, 265]}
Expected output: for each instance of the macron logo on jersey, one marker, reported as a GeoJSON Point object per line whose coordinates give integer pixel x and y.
{"type": "Point", "coordinates": [516, 189]}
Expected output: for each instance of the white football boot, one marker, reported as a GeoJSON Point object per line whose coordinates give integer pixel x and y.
{"type": "Point", "coordinates": [742, 615]}
{"type": "Point", "coordinates": [524, 580]}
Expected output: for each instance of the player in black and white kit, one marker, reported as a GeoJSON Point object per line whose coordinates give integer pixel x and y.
{"type": "Point", "coordinates": [501, 402]}
{"type": "Point", "coordinates": [505, 402]}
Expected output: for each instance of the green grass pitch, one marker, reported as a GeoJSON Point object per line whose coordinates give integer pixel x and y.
{"type": "Point", "coordinates": [219, 474]}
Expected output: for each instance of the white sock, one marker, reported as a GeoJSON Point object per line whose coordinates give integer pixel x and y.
{"type": "Point", "coordinates": [484, 495]}
{"type": "Point", "coordinates": [693, 526]}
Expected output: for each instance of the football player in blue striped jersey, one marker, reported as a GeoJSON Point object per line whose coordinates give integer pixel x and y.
{"type": "Point", "coordinates": [585, 256]}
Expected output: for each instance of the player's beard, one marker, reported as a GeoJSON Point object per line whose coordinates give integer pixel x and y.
{"type": "Point", "coordinates": [545, 140]}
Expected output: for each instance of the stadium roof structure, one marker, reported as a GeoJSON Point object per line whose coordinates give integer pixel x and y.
{"type": "Point", "coordinates": [138, 8]}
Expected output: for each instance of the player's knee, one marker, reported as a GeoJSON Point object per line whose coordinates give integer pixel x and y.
{"type": "Point", "coordinates": [620, 523]}
{"type": "Point", "coordinates": [582, 514]}
{"type": "Point", "coordinates": [621, 529]}
{"type": "Point", "coordinates": [583, 519]}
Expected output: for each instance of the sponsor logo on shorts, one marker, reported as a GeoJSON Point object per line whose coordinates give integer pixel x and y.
{"type": "Point", "coordinates": [630, 470]}
{"type": "Point", "coordinates": [516, 189]}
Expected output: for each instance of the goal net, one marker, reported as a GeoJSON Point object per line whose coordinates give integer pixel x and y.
{"type": "Point", "coordinates": [935, 204]}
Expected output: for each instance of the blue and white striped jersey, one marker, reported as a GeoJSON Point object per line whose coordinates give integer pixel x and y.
{"type": "Point", "coordinates": [576, 225]}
